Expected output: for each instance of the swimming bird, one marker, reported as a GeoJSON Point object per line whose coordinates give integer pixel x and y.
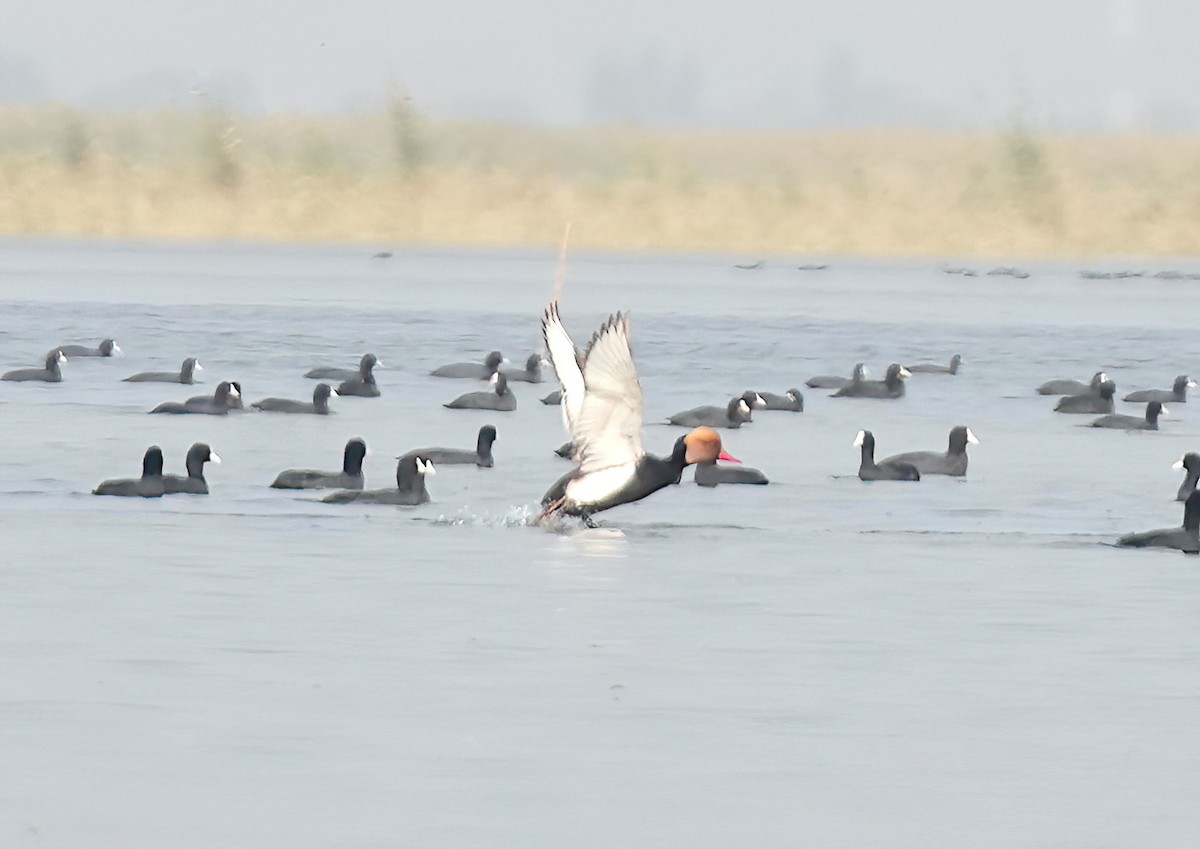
{"type": "Point", "coordinates": [149, 485]}
{"type": "Point", "coordinates": [481, 456]}
{"type": "Point", "coordinates": [833, 381]}
{"type": "Point", "coordinates": [477, 371]}
{"type": "Point", "coordinates": [350, 477]}
{"type": "Point", "coordinates": [365, 367]}
{"type": "Point", "coordinates": [1072, 387]}
{"type": "Point", "coordinates": [892, 385]}
{"type": "Point", "coordinates": [754, 400]}
{"type": "Point", "coordinates": [953, 462]}
{"type": "Point", "coordinates": [1190, 463]}
{"type": "Point", "coordinates": [235, 398]}
{"type": "Point", "coordinates": [869, 470]}
{"type": "Point", "coordinates": [934, 368]}
{"type": "Point", "coordinates": [218, 404]}
{"type": "Point", "coordinates": [709, 473]}
{"type": "Point", "coordinates": [363, 382]}
{"type": "Point", "coordinates": [791, 400]}
{"type": "Point", "coordinates": [186, 374]}
{"type": "Point", "coordinates": [532, 373]}
{"type": "Point", "coordinates": [106, 349]}
{"type": "Point", "coordinates": [1176, 394]}
{"type": "Point", "coordinates": [1150, 422]}
{"type": "Point", "coordinates": [554, 399]}
{"type": "Point", "coordinates": [566, 450]}
{"type": "Point", "coordinates": [1089, 402]}
{"type": "Point", "coordinates": [194, 482]}
{"type": "Point", "coordinates": [50, 374]}
{"type": "Point", "coordinates": [732, 415]}
{"type": "Point", "coordinates": [411, 471]}
{"type": "Point", "coordinates": [499, 397]}
{"type": "Point", "coordinates": [602, 407]}
{"type": "Point", "coordinates": [319, 405]}
{"type": "Point", "coordinates": [1184, 538]}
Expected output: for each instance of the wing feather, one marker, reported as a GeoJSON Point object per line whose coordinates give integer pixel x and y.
{"type": "Point", "coordinates": [609, 427]}
{"type": "Point", "coordinates": [567, 366]}
{"type": "Point", "coordinates": [602, 397]}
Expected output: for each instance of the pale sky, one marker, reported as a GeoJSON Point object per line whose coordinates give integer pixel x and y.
{"type": "Point", "coordinates": [1061, 64]}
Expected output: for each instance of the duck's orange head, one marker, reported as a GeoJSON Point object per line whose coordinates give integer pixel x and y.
{"type": "Point", "coordinates": [704, 446]}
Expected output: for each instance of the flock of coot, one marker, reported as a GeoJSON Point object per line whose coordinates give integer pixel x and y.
{"type": "Point", "coordinates": [601, 402]}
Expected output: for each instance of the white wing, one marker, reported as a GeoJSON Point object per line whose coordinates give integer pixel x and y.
{"type": "Point", "coordinates": [608, 429]}
{"type": "Point", "coordinates": [602, 398]}
{"type": "Point", "coordinates": [566, 365]}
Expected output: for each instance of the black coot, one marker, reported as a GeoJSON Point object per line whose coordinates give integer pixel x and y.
{"type": "Point", "coordinates": [952, 462]}
{"type": "Point", "coordinates": [869, 470]}
{"type": "Point", "coordinates": [1072, 387]}
{"type": "Point", "coordinates": [892, 385]}
{"type": "Point", "coordinates": [791, 400]}
{"type": "Point", "coordinates": [105, 349]}
{"type": "Point", "coordinates": [1089, 402]}
{"type": "Point", "coordinates": [50, 374]}
{"type": "Point", "coordinates": [225, 397]}
{"type": "Point", "coordinates": [499, 398]}
{"type": "Point", "coordinates": [350, 477]}
{"type": "Point", "coordinates": [834, 381]}
{"type": "Point", "coordinates": [1184, 538]}
{"type": "Point", "coordinates": [149, 485]}
{"type": "Point", "coordinates": [186, 374]}
{"type": "Point", "coordinates": [934, 368]}
{"type": "Point", "coordinates": [365, 367]}
{"type": "Point", "coordinates": [411, 471]}
{"type": "Point", "coordinates": [319, 405]}
{"type": "Point", "coordinates": [532, 373]}
{"type": "Point", "coordinates": [1176, 394]}
{"type": "Point", "coordinates": [711, 473]}
{"type": "Point", "coordinates": [1190, 463]}
{"type": "Point", "coordinates": [732, 415]}
{"type": "Point", "coordinates": [194, 482]}
{"type": "Point", "coordinates": [1119, 422]}
{"type": "Point", "coordinates": [481, 456]}
{"type": "Point", "coordinates": [475, 371]}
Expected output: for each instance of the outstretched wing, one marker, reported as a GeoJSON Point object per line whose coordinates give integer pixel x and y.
{"type": "Point", "coordinates": [566, 366]}
{"type": "Point", "coordinates": [602, 400]}
{"type": "Point", "coordinates": [608, 431]}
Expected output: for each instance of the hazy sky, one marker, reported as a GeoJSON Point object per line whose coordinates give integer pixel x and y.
{"type": "Point", "coordinates": [1062, 63]}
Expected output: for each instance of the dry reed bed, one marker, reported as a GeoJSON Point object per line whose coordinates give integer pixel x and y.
{"type": "Point", "coordinates": [396, 178]}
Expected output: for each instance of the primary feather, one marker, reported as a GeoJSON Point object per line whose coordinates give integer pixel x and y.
{"type": "Point", "coordinates": [602, 398]}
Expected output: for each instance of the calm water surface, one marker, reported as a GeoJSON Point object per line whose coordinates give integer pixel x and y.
{"type": "Point", "coordinates": [820, 662]}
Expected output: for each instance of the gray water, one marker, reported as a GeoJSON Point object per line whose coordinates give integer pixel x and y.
{"type": "Point", "coordinates": [819, 662]}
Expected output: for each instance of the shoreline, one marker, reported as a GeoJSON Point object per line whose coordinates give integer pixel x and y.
{"type": "Point", "coordinates": [360, 180]}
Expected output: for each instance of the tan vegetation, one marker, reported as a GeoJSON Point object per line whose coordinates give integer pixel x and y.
{"type": "Point", "coordinates": [395, 178]}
